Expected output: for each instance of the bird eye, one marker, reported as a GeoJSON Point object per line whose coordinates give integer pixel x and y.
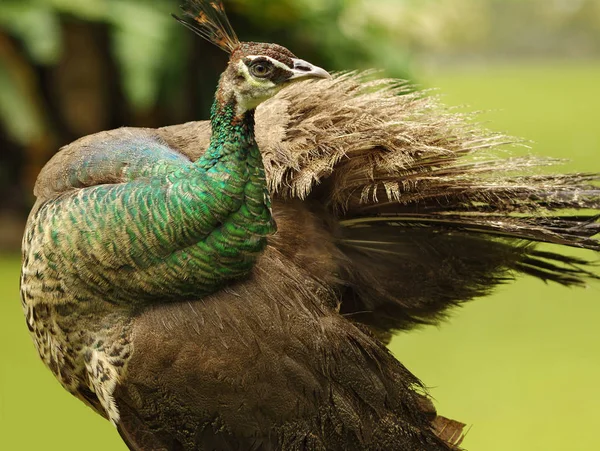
{"type": "Point", "coordinates": [261, 70]}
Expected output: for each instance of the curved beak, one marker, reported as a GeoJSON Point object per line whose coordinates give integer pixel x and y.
{"type": "Point", "coordinates": [303, 69]}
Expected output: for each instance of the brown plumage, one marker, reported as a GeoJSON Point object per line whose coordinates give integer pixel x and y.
{"type": "Point", "coordinates": [390, 210]}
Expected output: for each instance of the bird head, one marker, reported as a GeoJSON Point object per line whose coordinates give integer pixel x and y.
{"type": "Point", "coordinates": [256, 71]}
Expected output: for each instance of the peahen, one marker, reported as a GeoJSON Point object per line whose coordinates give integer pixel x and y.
{"type": "Point", "coordinates": [163, 289]}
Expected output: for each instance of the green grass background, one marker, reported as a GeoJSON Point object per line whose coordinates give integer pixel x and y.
{"type": "Point", "coordinates": [521, 367]}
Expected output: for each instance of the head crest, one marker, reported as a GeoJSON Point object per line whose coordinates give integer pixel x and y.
{"type": "Point", "coordinates": [207, 19]}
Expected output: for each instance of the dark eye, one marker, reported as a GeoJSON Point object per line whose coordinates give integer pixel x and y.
{"type": "Point", "coordinates": [261, 69]}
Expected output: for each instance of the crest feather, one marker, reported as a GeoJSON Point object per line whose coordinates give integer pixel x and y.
{"type": "Point", "coordinates": [207, 19]}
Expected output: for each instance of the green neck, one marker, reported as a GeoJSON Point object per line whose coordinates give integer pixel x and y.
{"type": "Point", "coordinates": [175, 233]}
{"type": "Point", "coordinates": [239, 201]}
{"type": "Point", "coordinates": [231, 133]}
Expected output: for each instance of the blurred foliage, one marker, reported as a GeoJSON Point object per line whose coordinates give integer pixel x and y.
{"type": "Point", "coordinates": [144, 45]}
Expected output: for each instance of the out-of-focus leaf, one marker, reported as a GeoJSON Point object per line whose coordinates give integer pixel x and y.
{"type": "Point", "coordinates": [18, 113]}
{"type": "Point", "coordinates": [36, 25]}
{"type": "Point", "coordinates": [93, 10]}
{"type": "Point", "coordinates": [141, 40]}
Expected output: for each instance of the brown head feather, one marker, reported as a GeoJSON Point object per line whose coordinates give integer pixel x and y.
{"type": "Point", "coordinates": [208, 20]}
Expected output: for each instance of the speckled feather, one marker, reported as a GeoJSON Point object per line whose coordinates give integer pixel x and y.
{"type": "Point", "coordinates": [171, 223]}
{"type": "Point", "coordinates": [133, 222]}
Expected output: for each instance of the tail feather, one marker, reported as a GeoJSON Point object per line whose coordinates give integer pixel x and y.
{"type": "Point", "coordinates": [571, 231]}
{"type": "Point", "coordinates": [451, 431]}
{"type": "Point", "coordinates": [402, 276]}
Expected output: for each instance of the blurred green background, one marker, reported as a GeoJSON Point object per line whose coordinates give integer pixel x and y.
{"type": "Point", "coordinates": [521, 367]}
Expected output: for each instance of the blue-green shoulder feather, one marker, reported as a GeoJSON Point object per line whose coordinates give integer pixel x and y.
{"type": "Point", "coordinates": [108, 158]}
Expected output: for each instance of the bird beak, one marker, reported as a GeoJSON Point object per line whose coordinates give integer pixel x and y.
{"type": "Point", "coordinates": [303, 69]}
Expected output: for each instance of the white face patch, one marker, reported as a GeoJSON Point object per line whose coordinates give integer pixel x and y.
{"type": "Point", "coordinates": [254, 90]}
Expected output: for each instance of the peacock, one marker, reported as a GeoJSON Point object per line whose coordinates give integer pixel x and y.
{"type": "Point", "coordinates": [232, 284]}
